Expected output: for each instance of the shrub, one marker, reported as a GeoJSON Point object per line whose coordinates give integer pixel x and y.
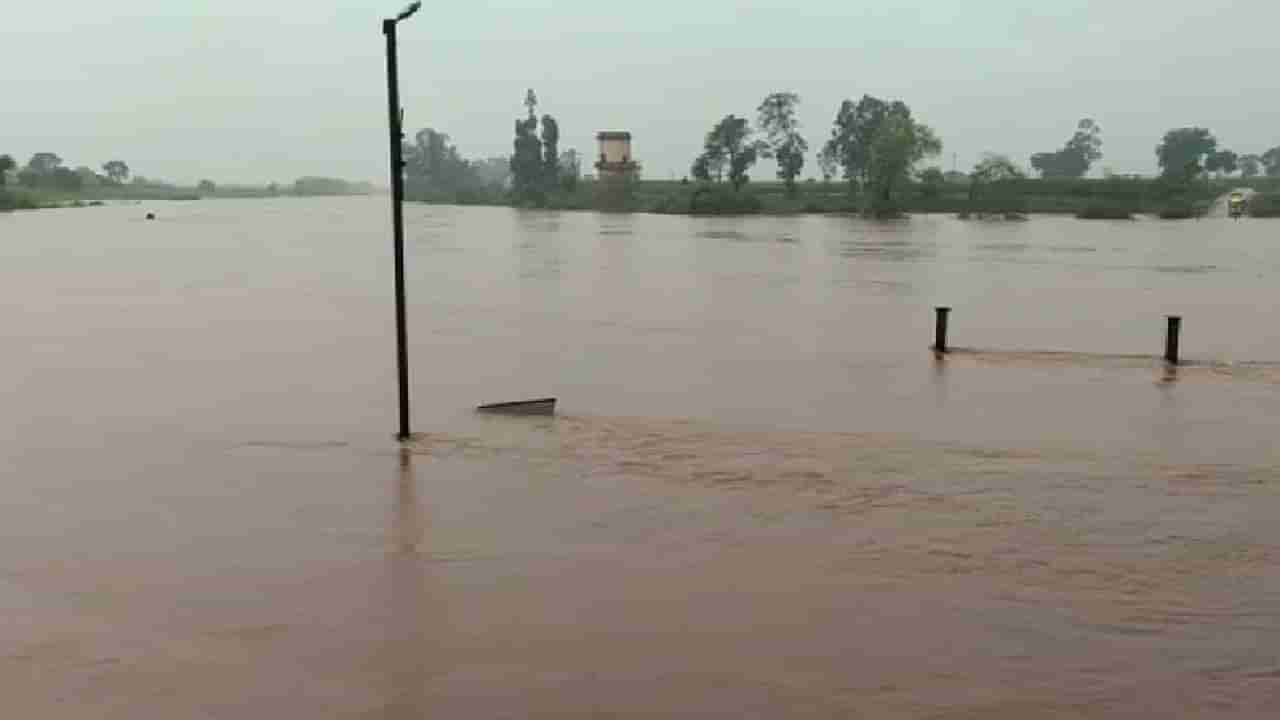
{"type": "Point", "coordinates": [10, 200]}
{"type": "Point", "coordinates": [1265, 206]}
{"type": "Point", "coordinates": [715, 199]}
{"type": "Point", "coordinates": [1177, 210]}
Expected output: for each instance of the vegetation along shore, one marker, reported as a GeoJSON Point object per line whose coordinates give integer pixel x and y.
{"type": "Point", "coordinates": [876, 161]}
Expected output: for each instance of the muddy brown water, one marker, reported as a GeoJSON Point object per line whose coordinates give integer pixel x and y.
{"type": "Point", "coordinates": [764, 497]}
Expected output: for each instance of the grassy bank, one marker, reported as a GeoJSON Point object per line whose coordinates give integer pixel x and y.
{"type": "Point", "coordinates": [22, 198]}
{"type": "Point", "coordinates": [16, 200]}
{"type": "Point", "coordinates": [1265, 205]}
{"type": "Point", "coordinates": [1085, 198]}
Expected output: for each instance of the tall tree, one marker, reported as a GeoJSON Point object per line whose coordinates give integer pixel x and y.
{"type": "Point", "coordinates": [425, 158]}
{"type": "Point", "coordinates": [854, 131]}
{"type": "Point", "coordinates": [1182, 152]}
{"type": "Point", "coordinates": [931, 181]}
{"type": "Point", "coordinates": [44, 163]}
{"type": "Point", "coordinates": [1250, 166]}
{"type": "Point", "coordinates": [702, 168]}
{"type": "Point", "coordinates": [526, 162]}
{"type": "Point", "coordinates": [728, 144]}
{"type": "Point", "coordinates": [570, 169]}
{"type": "Point", "coordinates": [1223, 161]}
{"type": "Point", "coordinates": [828, 163]}
{"type": "Point", "coordinates": [1075, 158]}
{"type": "Point", "coordinates": [878, 144]}
{"type": "Point", "coordinates": [7, 163]}
{"type": "Point", "coordinates": [899, 143]}
{"type": "Point", "coordinates": [117, 170]}
{"type": "Point", "coordinates": [433, 164]}
{"type": "Point", "coordinates": [493, 171]}
{"type": "Point", "coordinates": [783, 142]}
{"type": "Point", "coordinates": [1271, 161]}
{"type": "Point", "coordinates": [550, 151]}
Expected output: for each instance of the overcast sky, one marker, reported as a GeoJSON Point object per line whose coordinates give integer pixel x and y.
{"type": "Point", "coordinates": [261, 90]}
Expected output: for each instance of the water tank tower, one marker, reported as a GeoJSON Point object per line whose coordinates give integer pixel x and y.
{"type": "Point", "coordinates": [615, 160]}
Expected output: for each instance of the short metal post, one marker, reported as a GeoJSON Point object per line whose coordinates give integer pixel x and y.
{"type": "Point", "coordinates": [1171, 340]}
{"type": "Point", "coordinates": [940, 330]}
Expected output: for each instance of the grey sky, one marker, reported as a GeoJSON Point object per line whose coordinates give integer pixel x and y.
{"type": "Point", "coordinates": [253, 91]}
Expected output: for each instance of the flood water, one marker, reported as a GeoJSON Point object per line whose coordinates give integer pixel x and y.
{"type": "Point", "coordinates": [764, 496]}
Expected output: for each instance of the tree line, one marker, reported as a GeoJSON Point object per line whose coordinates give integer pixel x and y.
{"type": "Point", "coordinates": [535, 171]}
{"type": "Point", "coordinates": [47, 170]}
{"type": "Point", "coordinates": [1186, 153]}
{"type": "Point", "coordinates": [875, 144]}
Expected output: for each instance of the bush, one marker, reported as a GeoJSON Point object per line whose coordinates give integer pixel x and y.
{"type": "Point", "coordinates": [709, 199]}
{"type": "Point", "coordinates": [1177, 210]}
{"type": "Point", "coordinates": [10, 200]}
{"type": "Point", "coordinates": [1265, 206]}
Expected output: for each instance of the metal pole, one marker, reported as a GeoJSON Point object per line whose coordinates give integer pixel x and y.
{"type": "Point", "coordinates": [397, 221]}
{"type": "Point", "coordinates": [940, 330]}
{"type": "Point", "coordinates": [1171, 340]}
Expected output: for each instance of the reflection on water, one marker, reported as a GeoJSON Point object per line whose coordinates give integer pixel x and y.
{"type": "Point", "coordinates": [890, 250]}
{"type": "Point", "coordinates": [1004, 247]}
{"type": "Point", "coordinates": [1187, 269]}
{"type": "Point", "coordinates": [409, 517]}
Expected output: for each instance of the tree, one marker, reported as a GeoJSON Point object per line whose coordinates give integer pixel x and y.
{"type": "Point", "coordinates": [878, 144]}
{"type": "Point", "coordinates": [1182, 152]}
{"type": "Point", "coordinates": [7, 164]}
{"type": "Point", "coordinates": [527, 162]}
{"type": "Point", "coordinates": [1075, 158]}
{"type": "Point", "coordinates": [994, 167]}
{"type": "Point", "coordinates": [898, 145]}
{"type": "Point", "coordinates": [44, 163]}
{"type": "Point", "coordinates": [570, 164]}
{"type": "Point", "coordinates": [783, 142]}
{"type": "Point", "coordinates": [550, 152]}
{"type": "Point", "coordinates": [1223, 161]}
{"type": "Point", "coordinates": [117, 170]}
{"type": "Point", "coordinates": [66, 179]}
{"type": "Point", "coordinates": [494, 171]}
{"type": "Point", "coordinates": [1250, 166]}
{"type": "Point", "coordinates": [992, 171]}
{"type": "Point", "coordinates": [425, 159]}
{"type": "Point", "coordinates": [931, 182]}
{"type": "Point", "coordinates": [828, 163]}
{"type": "Point", "coordinates": [729, 143]}
{"type": "Point", "coordinates": [207, 186]}
{"type": "Point", "coordinates": [1271, 161]}
{"type": "Point", "coordinates": [433, 165]}
{"type": "Point", "coordinates": [88, 178]}
{"type": "Point", "coordinates": [701, 168]}
{"type": "Point", "coordinates": [854, 130]}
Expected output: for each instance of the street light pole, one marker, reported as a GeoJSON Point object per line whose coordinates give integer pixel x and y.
{"type": "Point", "coordinates": [395, 117]}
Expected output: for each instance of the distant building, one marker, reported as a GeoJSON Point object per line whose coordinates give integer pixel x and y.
{"type": "Point", "coordinates": [615, 160]}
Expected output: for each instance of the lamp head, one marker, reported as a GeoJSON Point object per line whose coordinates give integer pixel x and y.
{"type": "Point", "coordinates": [409, 11]}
